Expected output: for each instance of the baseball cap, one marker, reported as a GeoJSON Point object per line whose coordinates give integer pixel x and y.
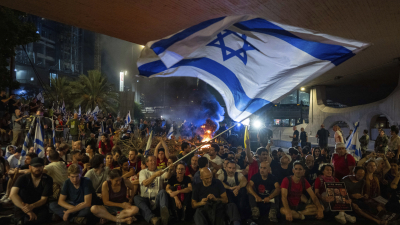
{"type": "Point", "coordinates": [340, 145]}
{"type": "Point", "coordinates": [36, 162]}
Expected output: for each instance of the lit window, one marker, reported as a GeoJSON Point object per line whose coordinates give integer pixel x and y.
{"type": "Point", "coordinates": [32, 79]}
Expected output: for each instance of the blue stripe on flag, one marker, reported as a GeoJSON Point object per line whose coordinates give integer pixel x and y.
{"type": "Point", "coordinates": [242, 101]}
{"type": "Point", "coordinates": [318, 50]}
{"type": "Point", "coordinates": [161, 45]}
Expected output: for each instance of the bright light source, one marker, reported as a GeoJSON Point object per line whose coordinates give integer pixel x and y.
{"type": "Point", "coordinates": [239, 124]}
{"type": "Point", "coordinates": [142, 46]}
{"type": "Point", "coordinates": [126, 72]}
{"type": "Point", "coordinates": [302, 89]}
{"type": "Point", "coordinates": [257, 124]}
{"type": "Point", "coordinates": [15, 70]}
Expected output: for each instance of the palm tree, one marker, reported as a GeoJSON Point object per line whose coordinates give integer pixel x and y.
{"type": "Point", "coordinates": [93, 90]}
{"type": "Point", "coordinates": [60, 90]}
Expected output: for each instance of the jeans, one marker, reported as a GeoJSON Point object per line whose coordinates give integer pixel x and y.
{"type": "Point", "coordinates": [263, 205]}
{"type": "Point", "coordinates": [144, 204]}
{"type": "Point", "coordinates": [201, 217]}
{"type": "Point", "coordinates": [241, 201]}
{"type": "Point", "coordinates": [59, 211]}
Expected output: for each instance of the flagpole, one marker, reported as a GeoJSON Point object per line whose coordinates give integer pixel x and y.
{"type": "Point", "coordinates": [203, 143]}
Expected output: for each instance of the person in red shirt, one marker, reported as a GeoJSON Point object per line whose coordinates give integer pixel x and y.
{"type": "Point", "coordinates": [76, 159]}
{"type": "Point", "coordinates": [162, 154]}
{"type": "Point", "coordinates": [105, 145]}
{"type": "Point", "coordinates": [254, 164]}
{"type": "Point", "coordinates": [293, 207]}
{"type": "Point", "coordinates": [343, 163]}
{"type": "Point", "coordinates": [134, 160]}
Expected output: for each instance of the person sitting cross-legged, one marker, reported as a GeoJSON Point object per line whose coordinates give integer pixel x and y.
{"type": "Point", "coordinates": [114, 192]}
{"type": "Point", "coordinates": [76, 198]}
{"type": "Point", "coordinates": [30, 194]}
{"type": "Point", "coordinates": [292, 188]}
{"type": "Point", "coordinates": [211, 202]}
{"type": "Point", "coordinates": [264, 191]}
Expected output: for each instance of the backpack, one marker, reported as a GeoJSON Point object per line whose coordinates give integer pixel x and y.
{"type": "Point", "coordinates": [302, 180]}
{"type": "Point", "coordinates": [226, 178]}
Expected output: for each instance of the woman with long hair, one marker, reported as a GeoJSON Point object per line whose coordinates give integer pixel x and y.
{"type": "Point", "coordinates": [318, 157]}
{"type": "Point", "coordinates": [109, 161]}
{"type": "Point", "coordinates": [124, 167]}
{"type": "Point", "coordinates": [105, 145]}
{"type": "Point", "coordinates": [114, 192]}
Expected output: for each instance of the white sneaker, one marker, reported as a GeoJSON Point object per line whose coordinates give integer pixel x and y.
{"type": "Point", "coordinates": [340, 219]}
{"type": "Point", "coordinates": [351, 219]}
{"type": "Point", "coordinates": [3, 198]}
{"type": "Point", "coordinates": [6, 201]}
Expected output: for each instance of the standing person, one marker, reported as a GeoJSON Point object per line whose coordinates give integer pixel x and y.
{"type": "Point", "coordinates": [179, 188]}
{"type": "Point", "coordinates": [303, 137]}
{"type": "Point", "coordinates": [364, 141]}
{"type": "Point", "coordinates": [295, 137]}
{"type": "Point", "coordinates": [59, 126]}
{"type": "Point", "coordinates": [114, 194]}
{"type": "Point", "coordinates": [322, 136]}
{"type": "Point", "coordinates": [76, 198]}
{"type": "Point", "coordinates": [30, 193]}
{"type": "Point", "coordinates": [152, 195]}
{"type": "Point", "coordinates": [343, 163]}
{"type": "Point", "coordinates": [3, 103]}
{"type": "Point", "coordinates": [73, 125]}
{"type": "Point", "coordinates": [105, 145]}
{"type": "Point", "coordinates": [262, 188]}
{"type": "Point", "coordinates": [211, 202]}
{"type": "Point", "coordinates": [394, 143]}
{"type": "Point", "coordinates": [350, 132]}
{"type": "Point", "coordinates": [18, 128]}
{"type": "Point", "coordinates": [381, 142]}
{"type": "Point", "coordinates": [338, 134]}
{"type": "Point", "coordinates": [33, 106]}
{"type": "Point", "coordinates": [292, 188]}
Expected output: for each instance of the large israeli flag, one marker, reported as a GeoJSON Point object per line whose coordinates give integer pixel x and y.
{"type": "Point", "coordinates": [353, 143]}
{"type": "Point", "coordinates": [249, 60]}
{"type": "Point", "coordinates": [39, 138]}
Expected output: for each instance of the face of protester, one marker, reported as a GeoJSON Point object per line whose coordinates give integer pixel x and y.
{"type": "Point", "coordinates": [341, 151]}
{"type": "Point", "coordinates": [116, 181]}
{"type": "Point", "coordinates": [17, 112]}
{"type": "Point", "coordinates": [317, 152]}
{"type": "Point", "coordinates": [334, 128]}
{"type": "Point", "coordinates": [239, 150]}
{"type": "Point", "coordinates": [394, 168]}
{"type": "Point", "coordinates": [382, 133]}
{"type": "Point", "coordinates": [264, 169]}
{"type": "Point", "coordinates": [143, 166]}
{"type": "Point", "coordinates": [360, 174]}
{"type": "Point", "coordinates": [285, 159]}
{"type": "Point", "coordinates": [371, 167]}
{"type": "Point", "coordinates": [76, 116]}
{"type": "Point", "coordinates": [36, 171]}
{"type": "Point", "coordinates": [109, 160]}
{"type": "Point", "coordinates": [298, 171]}
{"type": "Point", "coordinates": [170, 162]}
{"type": "Point", "coordinates": [327, 171]}
{"type": "Point", "coordinates": [309, 161]}
{"type": "Point", "coordinates": [78, 156]}
{"type": "Point", "coordinates": [294, 128]}
{"type": "Point", "coordinates": [231, 169]}
{"type": "Point", "coordinates": [132, 155]}
{"type": "Point", "coordinates": [231, 156]}
{"type": "Point", "coordinates": [103, 139]}
{"type": "Point", "coordinates": [75, 178]}
{"type": "Point", "coordinates": [188, 148]}
{"type": "Point", "coordinates": [302, 129]}
{"type": "Point", "coordinates": [151, 163]}
{"type": "Point", "coordinates": [11, 150]}
{"type": "Point", "coordinates": [125, 166]}
{"type": "Point", "coordinates": [206, 178]}
{"type": "Point", "coordinates": [263, 156]}
{"type": "Point", "coordinates": [194, 161]}
{"type": "Point", "coordinates": [180, 170]}
{"type": "Point", "coordinates": [226, 150]}
{"type": "Point", "coordinates": [31, 150]}
{"type": "Point", "coordinates": [28, 160]}
{"type": "Point", "coordinates": [116, 156]}
{"type": "Point", "coordinates": [212, 151]}
{"type": "Point", "coordinates": [89, 149]}
{"type": "Point", "coordinates": [161, 155]}
{"type": "Point", "coordinates": [225, 164]}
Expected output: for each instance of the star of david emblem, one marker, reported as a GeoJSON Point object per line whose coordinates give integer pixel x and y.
{"type": "Point", "coordinates": [227, 52]}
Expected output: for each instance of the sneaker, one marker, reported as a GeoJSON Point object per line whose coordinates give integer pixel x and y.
{"type": "Point", "coordinates": [79, 220]}
{"type": "Point", "coordinates": [164, 215]}
{"type": "Point", "coordinates": [155, 221]}
{"type": "Point", "coordinates": [302, 216]}
{"type": "Point", "coordinates": [3, 198]}
{"type": "Point", "coordinates": [7, 200]}
{"type": "Point", "coordinates": [351, 219]}
{"type": "Point", "coordinates": [272, 216]}
{"type": "Point", "coordinates": [340, 219]}
{"type": "Point", "coordinates": [250, 222]}
{"type": "Point", "coordinates": [255, 213]}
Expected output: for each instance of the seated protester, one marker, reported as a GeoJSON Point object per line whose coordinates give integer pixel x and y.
{"type": "Point", "coordinates": [105, 144]}
{"type": "Point", "coordinates": [116, 153]}
{"type": "Point", "coordinates": [394, 200]}
{"type": "Point", "coordinates": [311, 169]}
{"type": "Point", "coordinates": [186, 149]}
{"type": "Point", "coordinates": [320, 192]}
{"type": "Point", "coordinates": [382, 166]}
{"type": "Point", "coordinates": [4, 169]}
{"type": "Point", "coordinates": [292, 188]}
{"type": "Point", "coordinates": [13, 168]}
{"type": "Point", "coordinates": [77, 146]}
{"type": "Point", "coordinates": [13, 160]}
{"type": "Point", "coordinates": [171, 167]}
{"type": "Point", "coordinates": [371, 187]}
{"type": "Point", "coordinates": [318, 157]}
{"type": "Point", "coordinates": [86, 165]}
{"type": "Point", "coordinates": [162, 154]}
{"type": "Point", "coordinates": [64, 155]}
{"type": "Point", "coordinates": [90, 151]}
{"type": "Point", "coordinates": [240, 157]}
{"type": "Point", "coordinates": [390, 176]}
{"type": "Point", "coordinates": [283, 169]}
{"type": "Point", "coordinates": [213, 158]}
{"type": "Point", "coordinates": [221, 153]}
{"type": "Point", "coordinates": [263, 156]}
{"type": "Point", "coordinates": [193, 167]}
{"type": "Point", "coordinates": [114, 194]}
{"type": "Point", "coordinates": [98, 173]}
{"type": "Point", "coordinates": [179, 189]}
{"type": "Point", "coordinates": [30, 193]}
{"type": "Point", "coordinates": [203, 163]}
{"type": "Point", "coordinates": [152, 195]}
{"type": "Point", "coordinates": [262, 188]}
{"type": "Point", "coordinates": [342, 162]}
{"type": "Point", "coordinates": [126, 171]}
{"type": "Point", "coordinates": [92, 141]}
{"type": "Point", "coordinates": [56, 169]}
{"type": "Point", "coordinates": [210, 200]}
{"type": "Point", "coordinates": [235, 185]}
{"type": "Point", "coordinates": [27, 162]}
{"type": "Point", "coordinates": [76, 198]}
{"type": "Point", "coordinates": [135, 160]}
{"type": "Point", "coordinates": [109, 161]}
{"type": "Point", "coordinates": [294, 154]}
{"type": "Point", "coordinates": [76, 159]}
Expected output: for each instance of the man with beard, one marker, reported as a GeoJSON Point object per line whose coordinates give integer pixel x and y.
{"type": "Point", "coordinates": [134, 160]}
{"type": "Point", "coordinates": [311, 169]}
{"type": "Point", "coordinates": [213, 158]}
{"type": "Point", "coordinates": [262, 188]}
{"type": "Point", "coordinates": [186, 148]}
{"type": "Point", "coordinates": [30, 193]}
{"type": "Point", "coordinates": [193, 167]}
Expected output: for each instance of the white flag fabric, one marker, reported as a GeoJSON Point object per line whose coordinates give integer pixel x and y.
{"type": "Point", "coordinates": [170, 132]}
{"type": "Point", "coordinates": [39, 138]}
{"type": "Point", "coordinates": [148, 146]}
{"type": "Point", "coordinates": [353, 144]}
{"type": "Point", "coordinates": [250, 61]}
{"type": "Point", "coordinates": [40, 98]}
{"type": "Point", "coordinates": [128, 119]}
{"type": "Point", "coordinates": [79, 111]}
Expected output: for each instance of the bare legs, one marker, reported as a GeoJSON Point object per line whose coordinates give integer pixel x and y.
{"type": "Point", "coordinates": [126, 214]}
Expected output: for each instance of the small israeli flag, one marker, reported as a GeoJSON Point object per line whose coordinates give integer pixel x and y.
{"type": "Point", "coordinates": [64, 111]}
{"type": "Point", "coordinates": [148, 146]}
{"type": "Point", "coordinates": [25, 147]}
{"type": "Point", "coordinates": [79, 112]}
{"type": "Point", "coordinates": [170, 132]}
{"type": "Point", "coordinates": [249, 60]}
{"type": "Point", "coordinates": [40, 97]}
{"type": "Point", "coordinates": [102, 130]}
{"type": "Point", "coordinates": [353, 143]}
{"type": "Point", "coordinates": [39, 138]}
{"type": "Point", "coordinates": [54, 132]}
{"type": "Point", "coordinates": [128, 118]}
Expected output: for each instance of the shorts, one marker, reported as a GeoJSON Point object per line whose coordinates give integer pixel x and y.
{"type": "Point", "coordinates": [75, 137]}
{"type": "Point", "coordinates": [113, 209]}
{"type": "Point", "coordinates": [59, 134]}
{"type": "Point", "coordinates": [300, 207]}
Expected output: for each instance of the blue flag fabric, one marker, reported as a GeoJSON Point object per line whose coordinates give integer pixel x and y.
{"type": "Point", "coordinates": [353, 143]}
{"type": "Point", "coordinates": [250, 61]}
{"type": "Point", "coordinates": [39, 138]}
{"type": "Point", "coordinates": [25, 147]}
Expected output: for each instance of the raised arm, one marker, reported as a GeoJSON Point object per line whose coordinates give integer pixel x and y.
{"type": "Point", "coordinates": [248, 153]}
{"type": "Point", "coordinates": [166, 150]}
{"type": "Point", "coordinates": [156, 150]}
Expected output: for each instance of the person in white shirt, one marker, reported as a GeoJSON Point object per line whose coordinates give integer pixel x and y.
{"type": "Point", "coordinates": [14, 159]}
{"type": "Point", "coordinates": [338, 134]}
{"type": "Point", "coordinates": [152, 195]}
{"type": "Point", "coordinates": [56, 169]}
{"type": "Point", "coordinates": [213, 158]}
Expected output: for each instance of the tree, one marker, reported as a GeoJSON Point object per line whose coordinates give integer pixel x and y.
{"type": "Point", "coordinates": [137, 112]}
{"type": "Point", "coordinates": [92, 90]}
{"type": "Point", "coordinates": [60, 90]}
{"type": "Point", "coordinates": [14, 31]}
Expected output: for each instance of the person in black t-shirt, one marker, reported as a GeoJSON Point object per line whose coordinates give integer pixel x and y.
{"type": "Point", "coordinates": [179, 189]}
{"type": "Point", "coordinates": [264, 191]}
{"type": "Point", "coordinates": [295, 137]}
{"type": "Point", "coordinates": [205, 198]}
{"type": "Point", "coordinates": [283, 169]}
{"type": "Point", "coordinates": [322, 136]}
{"type": "Point", "coordinates": [311, 169]}
{"type": "Point", "coordinates": [30, 193]}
